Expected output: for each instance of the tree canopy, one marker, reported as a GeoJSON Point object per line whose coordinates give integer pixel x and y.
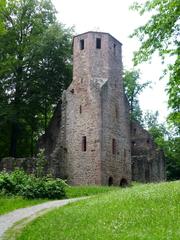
{"type": "Point", "coordinates": [133, 88]}
{"type": "Point", "coordinates": [161, 34]}
{"type": "Point", "coordinates": [35, 67]}
{"type": "Point", "coordinates": [166, 141]}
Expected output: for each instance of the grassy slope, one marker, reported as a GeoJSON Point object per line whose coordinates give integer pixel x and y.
{"type": "Point", "coordinates": [8, 204]}
{"type": "Point", "coordinates": [144, 212]}
{"type": "Point", "coordinates": [80, 191]}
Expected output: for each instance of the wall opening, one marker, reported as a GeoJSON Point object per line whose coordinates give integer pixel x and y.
{"type": "Point", "coordinates": [80, 109]}
{"type": "Point", "coordinates": [114, 49]}
{"type": "Point", "coordinates": [98, 43]}
{"type": "Point", "coordinates": [125, 154]}
{"type": "Point", "coordinates": [133, 143]}
{"type": "Point", "coordinates": [84, 144]}
{"type": "Point", "coordinates": [113, 146]}
{"type": "Point", "coordinates": [81, 44]}
{"type": "Point", "coordinates": [110, 181]}
{"type": "Point", "coordinates": [123, 182]}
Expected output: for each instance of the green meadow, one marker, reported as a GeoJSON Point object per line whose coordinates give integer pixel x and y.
{"type": "Point", "coordinates": [141, 212]}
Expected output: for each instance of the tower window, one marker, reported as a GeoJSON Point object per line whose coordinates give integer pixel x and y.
{"type": "Point", "coordinates": [114, 49]}
{"type": "Point", "coordinates": [81, 44]}
{"type": "Point", "coordinates": [98, 43]}
{"type": "Point", "coordinates": [84, 144]}
{"type": "Point", "coordinates": [80, 109]}
{"type": "Point", "coordinates": [113, 146]}
{"type": "Point", "coordinates": [125, 154]}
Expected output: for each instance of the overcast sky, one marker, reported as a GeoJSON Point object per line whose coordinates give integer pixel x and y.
{"type": "Point", "coordinates": [114, 17]}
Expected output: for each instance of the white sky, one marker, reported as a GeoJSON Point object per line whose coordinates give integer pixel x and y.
{"type": "Point", "coordinates": [114, 17]}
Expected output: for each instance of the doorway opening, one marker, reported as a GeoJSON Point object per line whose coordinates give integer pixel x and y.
{"type": "Point", "coordinates": [110, 181]}
{"type": "Point", "coordinates": [123, 182]}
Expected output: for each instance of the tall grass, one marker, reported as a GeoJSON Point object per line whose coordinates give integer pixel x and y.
{"type": "Point", "coordinates": [143, 212]}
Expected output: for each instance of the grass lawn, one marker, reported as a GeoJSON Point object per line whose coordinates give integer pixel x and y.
{"type": "Point", "coordinates": [80, 191]}
{"type": "Point", "coordinates": [142, 212]}
{"type": "Point", "coordinates": [8, 204]}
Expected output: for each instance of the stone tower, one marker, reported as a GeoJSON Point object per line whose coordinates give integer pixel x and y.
{"type": "Point", "coordinates": [94, 141]}
{"type": "Point", "coordinates": [88, 138]}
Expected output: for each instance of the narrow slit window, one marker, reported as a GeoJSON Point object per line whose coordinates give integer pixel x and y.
{"type": "Point", "coordinates": [81, 44]}
{"type": "Point", "coordinates": [125, 154]}
{"type": "Point", "coordinates": [98, 43]}
{"type": "Point", "coordinates": [84, 144]}
{"type": "Point", "coordinates": [114, 49]}
{"type": "Point", "coordinates": [114, 146]}
{"type": "Point", "coordinates": [80, 109]}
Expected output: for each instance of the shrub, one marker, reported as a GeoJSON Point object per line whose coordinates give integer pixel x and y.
{"type": "Point", "coordinates": [6, 183]}
{"type": "Point", "coordinates": [29, 186]}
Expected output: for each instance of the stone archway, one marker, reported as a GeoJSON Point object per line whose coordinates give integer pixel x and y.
{"type": "Point", "coordinates": [123, 182]}
{"type": "Point", "coordinates": [110, 181]}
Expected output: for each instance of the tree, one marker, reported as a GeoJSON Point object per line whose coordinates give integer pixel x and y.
{"type": "Point", "coordinates": [132, 90]}
{"type": "Point", "coordinates": [166, 141]}
{"type": "Point", "coordinates": [35, 67]}
{"type": "Point", "coordinates": [161, 34]}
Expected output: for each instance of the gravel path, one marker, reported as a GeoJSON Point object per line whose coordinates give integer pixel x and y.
{"type": "Point", "coordinates": [9, 219]}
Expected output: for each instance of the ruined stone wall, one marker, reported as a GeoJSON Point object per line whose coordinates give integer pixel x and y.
{"type": "Point", "coordinates": [148, 163]}
{"type": "Point", "coordinates": [58, 157]}
{"type": "Point", "coordinates": [94, 107]}
{"type": "Point", "coordinates": [48, 141]}
{"type": "Point", "coordinates": [115, 121]}
{"type": "Point", "coordinates": [83, 112]}
{"type": "Point", "coordinates": [10, 164]}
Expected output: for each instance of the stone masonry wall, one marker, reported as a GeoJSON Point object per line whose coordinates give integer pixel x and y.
{"type": "Point", "coordinates": [90, 139]}
{"type": "Point", "coordinates": [148, 163]}
{"type": "Point", "coordinates": [9, 164]}
{"type": "Point", "coordinates": [83, 114]}
{"type": "Point", "coordinates": [115, 121]}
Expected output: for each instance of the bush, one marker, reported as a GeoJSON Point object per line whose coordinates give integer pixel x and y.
{"type": "Point", "coordinates": [29, 186]}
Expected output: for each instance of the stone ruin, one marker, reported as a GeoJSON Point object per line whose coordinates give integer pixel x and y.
{"type": "Point", "coordinates": [90, 139]}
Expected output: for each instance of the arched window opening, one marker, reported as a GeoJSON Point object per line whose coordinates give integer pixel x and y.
{"type": "Point", "coordinates": [110, 181]}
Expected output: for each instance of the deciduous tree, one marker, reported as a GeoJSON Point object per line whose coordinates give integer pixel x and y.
{"type": "Point", "coordinates": [35, 67]}
{"type": "Point", "coordinates": [161, 34]}
{"type": "Point", "coordinates": [132, 90]}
